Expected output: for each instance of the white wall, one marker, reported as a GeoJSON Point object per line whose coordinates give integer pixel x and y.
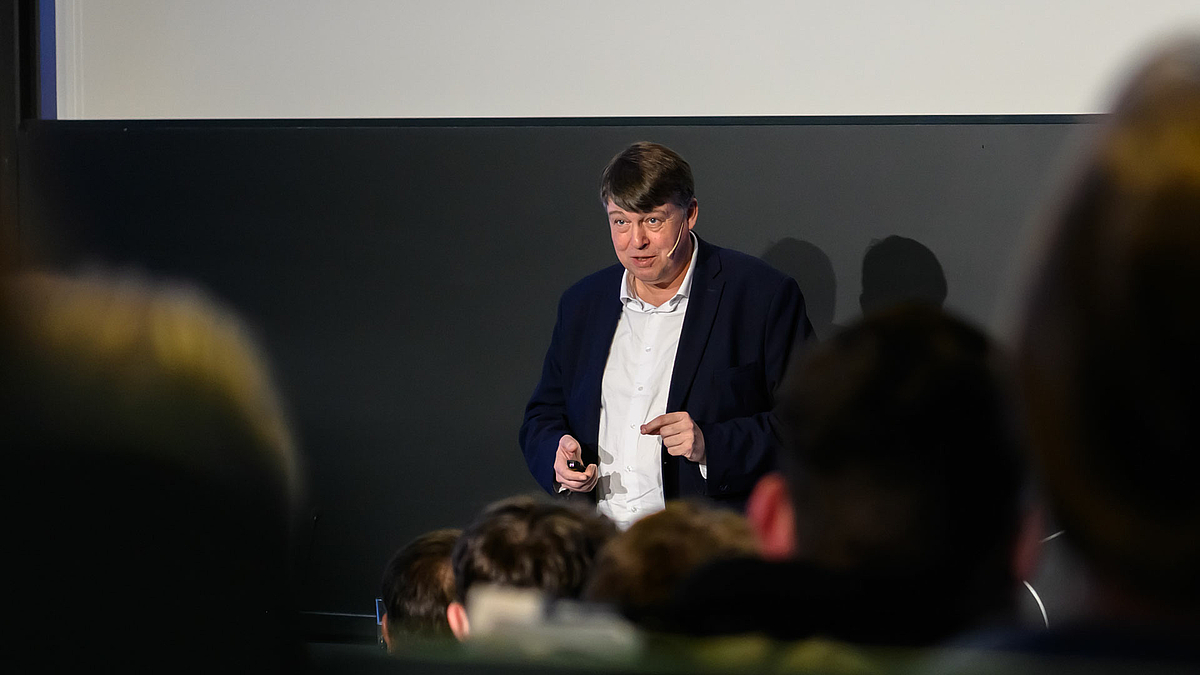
{"type": "Point", "coordinates": [537, 58]}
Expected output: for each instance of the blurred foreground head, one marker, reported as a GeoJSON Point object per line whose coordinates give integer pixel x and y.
{"type": "Point", "coordinates": [154, 475]}
{"type": "Point", "coordinates": [901, 459]}
{"type": "Point", "coordinates": [524, 542]}
{"type": "Point", "coordinates": [640, 568]}
{"type": "Point", "coordinates": [417, 587]}
{"type": "Point", "coordinates": [1109, 352]}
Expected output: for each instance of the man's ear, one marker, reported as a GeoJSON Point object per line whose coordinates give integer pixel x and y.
{"type": "Point", "coordinates": [387, 639]}
{"type": "Point", "coordinates": [456, 615]}
{"type": "Point", "coordinates": [769, 511]}
{"type": "Point", "coordinates": [693, 211]}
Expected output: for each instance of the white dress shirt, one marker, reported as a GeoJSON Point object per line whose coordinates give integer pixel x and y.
{"type": "Point", "coordinates": [637, 379]}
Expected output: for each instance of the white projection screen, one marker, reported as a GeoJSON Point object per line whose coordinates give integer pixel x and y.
{"type": "Point", "coordinates": [276, 59]}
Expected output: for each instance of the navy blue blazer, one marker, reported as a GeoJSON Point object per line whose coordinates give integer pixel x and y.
{"type": "Point", "coordinates": [742, 322]}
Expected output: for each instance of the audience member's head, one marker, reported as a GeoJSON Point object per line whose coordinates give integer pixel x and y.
{"type": "Point", "coordinates": [417, 587]}
{"type": "Point", "coordinates": [901, 460]}
{"type": "Point", "coordinates": [1108, 354]}
{"type": "Point", "coordinates": [639, 569]}
{"type": "Point", "coordinates": [156, 478]}
{"type": "Point", "coordinates": [524, 542]}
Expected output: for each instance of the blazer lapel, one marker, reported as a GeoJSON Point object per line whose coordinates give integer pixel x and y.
{"type": "Point", "coordinates": [703, 301]}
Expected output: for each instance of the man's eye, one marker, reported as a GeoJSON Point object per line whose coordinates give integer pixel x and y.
{"type": "Point", "coordinates": [652, 221]}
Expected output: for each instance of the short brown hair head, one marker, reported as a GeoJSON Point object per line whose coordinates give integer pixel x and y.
{"type": "Point", "coordinates": [902, 454]}
{"type": "Point", "coordinates": [528, 543]}
{"type": "Point", "coordinates": [418, 585]}
{"type": "Point", "coordinates": [645, 176]}
{"type": "Point", "coordinates": [158, 472]}
{"type": "Point", "coordinates": [640, 568]}
{"type": "Point", "coordinates": [1108, 351]}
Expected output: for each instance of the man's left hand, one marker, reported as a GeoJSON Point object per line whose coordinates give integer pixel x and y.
{"type": "Point", "coordinates": [681, 435]}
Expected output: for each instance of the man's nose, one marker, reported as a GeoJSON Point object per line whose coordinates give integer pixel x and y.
{"type": "Point", "coordinates": [639, 236]}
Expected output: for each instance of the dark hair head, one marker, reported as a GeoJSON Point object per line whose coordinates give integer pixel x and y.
{"type": "Point", "coordinates": [418, 585]}
{"type": "Point", "coordinates": [645, 176]}
{"type": "Point", "coordinates": [901, 453]}
{"type": "Point", "coordinates": [640, 568]}
{"type": "Point", "coordinates": [527, 543]}
{"type": "Point", "coordinates": [1108, 352]}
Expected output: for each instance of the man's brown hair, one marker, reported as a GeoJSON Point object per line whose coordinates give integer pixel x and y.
{"type": "Point", "coordinates": [527, 543]}
{"type": "Point", "coordinates": [158, 477]}
{"type": "Point", "coordinates": [640, 568]}
{"type": "Point", "coordinates": [645, 176]}
{"type": "Point", "coordinates": [418, 585]}
{"type": "Point", "coordinates": [903, 456]}
{"type": "Point", "coordinates": [1108, 351]}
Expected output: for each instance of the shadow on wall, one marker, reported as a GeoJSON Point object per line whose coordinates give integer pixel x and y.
{"type": "Point", "coordinates": [898, 270]}
{"type": "Point", "coordinates": [812, 270]}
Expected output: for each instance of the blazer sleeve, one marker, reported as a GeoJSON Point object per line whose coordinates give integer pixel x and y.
{"type": "Point", "coordinates": [742, 449]}
{"type": "Point", "coordinates": [546, 417]}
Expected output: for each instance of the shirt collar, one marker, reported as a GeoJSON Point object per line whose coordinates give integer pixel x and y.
{"type": "Point", "coordinates": [685, 288]}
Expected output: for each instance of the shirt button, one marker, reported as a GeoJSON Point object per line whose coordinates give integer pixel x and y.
{"type": "Point", "coordinates": [633, 508]}
{"type": "Point", "coordinates": [629, 467]}
{"type": "Point", "coordinates": [639, 388]}
{"type": "Point", "coordinates": [647, 349]}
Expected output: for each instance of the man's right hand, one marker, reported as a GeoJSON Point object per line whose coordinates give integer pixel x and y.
{"type": "Point", "coordinates": [575, 481]}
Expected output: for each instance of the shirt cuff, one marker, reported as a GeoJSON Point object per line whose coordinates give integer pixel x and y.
{"type": "Point", "coordinates": [704, 470]}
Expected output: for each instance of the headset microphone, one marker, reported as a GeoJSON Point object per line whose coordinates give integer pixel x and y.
{"type": "Point", "coordinates": [678, 238]}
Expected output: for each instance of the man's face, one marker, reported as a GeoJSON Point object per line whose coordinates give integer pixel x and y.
{"type": "Point", "coordinates": [644, 240]}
